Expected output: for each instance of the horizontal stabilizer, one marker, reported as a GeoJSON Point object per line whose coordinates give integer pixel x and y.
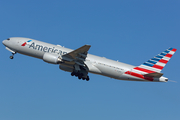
{"type": "Point", "coordinates": [154, 75]}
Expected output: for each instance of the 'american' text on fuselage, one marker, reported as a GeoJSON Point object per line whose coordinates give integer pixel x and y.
{"type": "Point", "coordinates": [46, 49]}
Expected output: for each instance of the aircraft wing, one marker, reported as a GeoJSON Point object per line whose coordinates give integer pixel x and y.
{"type": "Point", "coordinates": [78, 56]}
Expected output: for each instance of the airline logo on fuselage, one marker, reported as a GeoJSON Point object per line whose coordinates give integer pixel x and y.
{"type": "Point", "coordinates": [44, 48]}
{"type": "Point", "coordinates": [24, 44]}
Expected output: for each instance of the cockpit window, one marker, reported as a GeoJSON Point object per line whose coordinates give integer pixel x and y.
{"type": "Point", "coordinates": [8, 39]}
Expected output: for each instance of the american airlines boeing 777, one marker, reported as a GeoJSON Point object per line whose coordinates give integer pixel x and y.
{"type": "Point", "coordinates": [80, 63]}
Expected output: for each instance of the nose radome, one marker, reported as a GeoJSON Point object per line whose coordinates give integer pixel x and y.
{"type": "Point", "coordinates": [3, 42]}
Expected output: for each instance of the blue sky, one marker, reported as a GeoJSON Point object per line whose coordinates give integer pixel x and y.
{"type": "Point", "coordinates": [128, 31]}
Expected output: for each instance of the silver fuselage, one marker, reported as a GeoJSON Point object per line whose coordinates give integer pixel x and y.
{"type": "Point", "coordinates": [96, 64]}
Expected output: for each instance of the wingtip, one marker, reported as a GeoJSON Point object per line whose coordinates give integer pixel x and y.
{"type": "Point", "coordinates": [88, 45]}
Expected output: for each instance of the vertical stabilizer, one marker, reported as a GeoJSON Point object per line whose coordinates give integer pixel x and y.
{"type": "Point", "coordinates": [157, 63]}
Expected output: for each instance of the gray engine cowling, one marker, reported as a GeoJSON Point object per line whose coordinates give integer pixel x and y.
{"type": "Point", "coordinates": [66, 68]}
{"type": "Point", "coordinates": [52, 58]}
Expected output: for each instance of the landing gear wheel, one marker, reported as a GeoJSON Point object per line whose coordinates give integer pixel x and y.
{"type": "Point", "coordinates": [87, 79]}
{"type": "Point", "coordinates": [11, 57]}
{"type": "Point", "coordinates": [80, 76]}
{"type": "Point", "coordinates": [72, 74]}
{"type": "Point", "coordinates": [76, 74]}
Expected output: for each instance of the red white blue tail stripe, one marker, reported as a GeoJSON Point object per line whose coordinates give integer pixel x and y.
{"type": "Point", "coordinates": [157, 63]}
{"type": "Point", "coordinates": [154, 65]}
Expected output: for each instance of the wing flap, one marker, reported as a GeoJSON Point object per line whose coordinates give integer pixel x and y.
{"type": "Point", "coordinates": [82, 50]}
{"type": "Point", "coordinates": [78, 56]}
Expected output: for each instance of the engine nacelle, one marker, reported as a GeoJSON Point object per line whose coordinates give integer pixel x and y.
{"type": "Point", "coordinates": [66, 68]}
{"type": "Point", "coordinates": [52, 58]}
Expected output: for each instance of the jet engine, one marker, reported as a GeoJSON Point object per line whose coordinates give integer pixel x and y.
{"type": "Point", "coordinates": [66, 68]}
{"type": "Point", "coordinates": [52, 58]}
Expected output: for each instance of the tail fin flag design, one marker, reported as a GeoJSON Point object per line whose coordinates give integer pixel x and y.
{"type": "Point", "coordinates": [155, 64]}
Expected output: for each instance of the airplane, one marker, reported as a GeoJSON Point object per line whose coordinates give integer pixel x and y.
{"type": "Point", "coordinates": [80, 63]}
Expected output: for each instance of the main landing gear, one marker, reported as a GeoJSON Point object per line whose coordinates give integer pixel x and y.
{"type": "Point", "coordinates": [80, 75]}
{"type": "Point", "coordinates": [12, 56]}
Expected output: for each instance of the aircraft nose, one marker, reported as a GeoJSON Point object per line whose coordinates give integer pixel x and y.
{"type": "Point", "coordinates": [3, 42]}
